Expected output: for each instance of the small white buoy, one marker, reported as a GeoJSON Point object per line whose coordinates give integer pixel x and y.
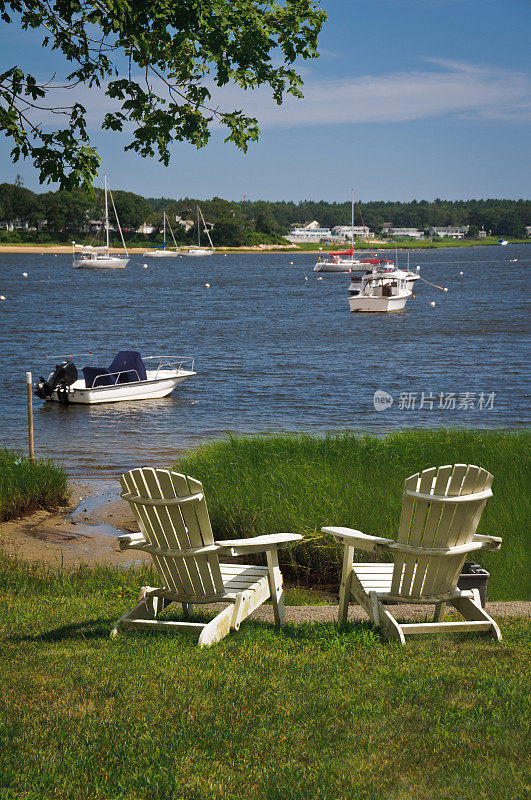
{"type": "Point", "coordinates": [207, 285]}
{"type": "Point", "coordinates": [418, 267]}
{"type": "Point", "coordinates": [291, 262]}
{"type": "Point", "coordinates": [461, 273]}
{"type": "Point", "coordinates": [24, 274]}
{"type": "Point", "coordinates": [445, 289]}
{"type": "Point", "coordinates": [145, 266]}
{"type": "Point", "coordinates": [2, 297]}
{"type": "Point", "coordinates": [306, 279]}
{"type": "Point", "coordinates": [319, 279]}
{"type": "Point", "coordinates": [55, 255]}
{"type": "Point", "coordinates": [432, 304]}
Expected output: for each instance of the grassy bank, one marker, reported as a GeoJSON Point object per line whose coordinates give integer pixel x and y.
{"type": "Point", "coordinates": [265, 484]}
{"type": "Point", "coordinates": [312, 712]}
{"type": "Point", "coordinates": [28, 485]}
{"type": "Point", "coordinates": [411, 244]}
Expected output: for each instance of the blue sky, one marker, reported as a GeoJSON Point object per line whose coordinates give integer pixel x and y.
{"type": "Point", "coordinates": [409, 99]}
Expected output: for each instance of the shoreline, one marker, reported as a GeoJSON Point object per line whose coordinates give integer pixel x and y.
{"type": "Point", "coordinates": [57, 249]}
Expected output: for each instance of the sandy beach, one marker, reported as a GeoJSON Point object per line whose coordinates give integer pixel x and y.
{"type": "Point", "coordinates": [43, 249]}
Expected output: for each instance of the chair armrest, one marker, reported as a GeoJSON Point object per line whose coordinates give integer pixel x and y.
{"type": "Point", "coordinates": [130, 539]}
{"type": "Point", "coordinates": [488, 542]}
{"type": "Point", "coordinates": [358, 539]}
{"type": "Point", "coordinates": [257, 544]}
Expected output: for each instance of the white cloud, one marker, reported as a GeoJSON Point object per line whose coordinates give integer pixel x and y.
{"type": "Point", "coordinates": [447, 89]}
{"type": "Point", "coordinates": [451, 89]}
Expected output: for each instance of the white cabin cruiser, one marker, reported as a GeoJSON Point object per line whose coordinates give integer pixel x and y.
{"type": "Point", "coordinates": [381, 291]}
{"type": "Point", "coordinates": [127, 378]}
{"type": "Point", "coordinates": [380, 265]}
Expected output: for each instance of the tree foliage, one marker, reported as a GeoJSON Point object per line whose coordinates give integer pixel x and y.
{"type": "Point", "coordinates": [239, 222]}
{"type": "Point", "coordinates": [159, 61]}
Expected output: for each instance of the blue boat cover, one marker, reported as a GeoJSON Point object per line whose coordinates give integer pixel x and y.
{"type": "Point", "coordinates": [129, 363]}
{"type": "Point", "coordinates": [101, 374]}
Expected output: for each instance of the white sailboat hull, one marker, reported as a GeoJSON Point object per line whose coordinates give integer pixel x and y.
{"type": "Point", "coordinates": [197, 252]}
{"type": "Point", "coordinates": [371, 303]}
{"type": "Point", "coordinates": [101, 262]}
{"type": "Point", "coordinates": [159, 383]}
{"type": "Point", "coordinates": [345, 265]}
{"type": "Point", "coordinates": [161, 254]}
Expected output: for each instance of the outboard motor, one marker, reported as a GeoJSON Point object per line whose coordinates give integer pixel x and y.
{"type": "Point", "coordinates": [64, 375]}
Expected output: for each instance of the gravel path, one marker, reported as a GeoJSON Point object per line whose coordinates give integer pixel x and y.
{"type": "Point", "coordinates": [329, 613]}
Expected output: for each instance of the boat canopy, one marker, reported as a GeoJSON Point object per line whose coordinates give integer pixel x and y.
{"type": "Point", "coordinates": [343, 252]}
{"type": "Point", "coordinates": [126, 367]}
{"type": "Point", "coordinates": [376, 261]}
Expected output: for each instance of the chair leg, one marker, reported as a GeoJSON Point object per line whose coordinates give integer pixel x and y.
{"type": "Point", "coordinates": [471, 610]}
{"type": "Point", "coordinates": [275, 587]}
{"type": "Point", "coordinates": [188, 610]}
{"type": "Point", "coordinates": [146, 608]}
{"type": "Point", "coordinates": [440, 609]}
{"type": "Point", "coordinates": [217, 628]}
{"type": "Point", "coordinates": [344, 589]}
{"type": "Point", "coordinates": [390, 628]}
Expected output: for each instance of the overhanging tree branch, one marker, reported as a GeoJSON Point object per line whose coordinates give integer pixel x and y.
{"type": "Point", "coordinates": [184, 46]}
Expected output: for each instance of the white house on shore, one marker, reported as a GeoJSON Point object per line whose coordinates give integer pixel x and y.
{"type": "Point", "coordinates": [311, 232]}
{"type": "Point", "coordinates": [352, 232]}
{"type": "Point", "coordinates": [402, 233]}
{"type": "Point", "coordinates": [450, 232]}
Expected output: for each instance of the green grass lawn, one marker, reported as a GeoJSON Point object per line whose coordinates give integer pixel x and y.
{"type": "Point", "coordinates": [266, 484]}
{"type": "Point", "coordinates": [27, 485]}
{"type": "Point", "coordinates": [314, 712]}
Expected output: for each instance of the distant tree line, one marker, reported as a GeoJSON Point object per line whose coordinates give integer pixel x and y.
{"type": "Point", "coordinates": [61, 214]}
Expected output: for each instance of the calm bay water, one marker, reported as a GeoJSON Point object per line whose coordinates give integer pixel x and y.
{"type": "Point", "coordinates": [274, 352]}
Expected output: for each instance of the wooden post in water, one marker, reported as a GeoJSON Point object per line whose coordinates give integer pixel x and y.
{"type": "Point", "coordinates": [30, 415]}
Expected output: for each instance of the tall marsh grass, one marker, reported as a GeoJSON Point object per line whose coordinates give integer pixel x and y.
{"type": "Point", "coordinates": [264, 484]}
{"type": "Point", "coordinates": [27, 485]}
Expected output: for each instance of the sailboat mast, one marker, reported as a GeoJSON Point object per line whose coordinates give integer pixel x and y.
{"type": "Point", "coordinates": [198, 231]}
{"type": "Point", "coordinates": [164, 226]}
{"type": "Point", "coordinates": [106, 217]}
{"type": "Point", "coordinates": [352, 222]}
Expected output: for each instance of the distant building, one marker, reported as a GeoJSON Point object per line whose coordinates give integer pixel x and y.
{"type": "Point", "coordinates": [352, 231]}
{"type": "Point", "coordinates": [184, 223]}
{"type": "Point", "coordinates": [450, 232]}
{"type": "Point", "coordinates": [528, 230]}
{"type": "Point", "coordinates": [482, 234]}
{"type": "Point", "coordinates": [411, 233]}
{"type": "Point", "coordinates": [310, 232]}
{"type": "Point", "coordinates": [145, 228]}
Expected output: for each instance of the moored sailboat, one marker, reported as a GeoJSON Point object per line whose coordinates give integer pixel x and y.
{"type": "Point", "coordinates": [90, 257]}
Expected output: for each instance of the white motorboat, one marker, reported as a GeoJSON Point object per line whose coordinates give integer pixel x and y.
{"type": "Point", "coordinates": [340, 261]}
{"type": "Point", "coordinates": [381, 291]}
{"type": "Point", "coordinates": [90, 257]}
{"type": "Point", "coordinates": [163, 253]}
{"type": "Point", "coordinates": [127, 378]}
{"type": "Point", "coordinates": [380, 265]}
{"type": "Point", "coordinates": [200, 251]}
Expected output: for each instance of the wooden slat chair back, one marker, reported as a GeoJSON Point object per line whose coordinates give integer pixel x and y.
{"type": "Point", "coordinates": [175, 529]}
{"type": "Point", "coordinates": [431, 520]}
{"type": "Point", "coordinates": [441, 511]}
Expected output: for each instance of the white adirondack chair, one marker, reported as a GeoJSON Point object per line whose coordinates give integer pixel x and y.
{"type": "Point", "coordinates": [440, 513]}
{"type": "Point", "coordinates": [175, 529]}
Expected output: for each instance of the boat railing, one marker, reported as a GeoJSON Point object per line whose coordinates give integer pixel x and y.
{"type": "Point", "coordinates": [170, 362]}
{"type": "Point", "coordinates": [106, 375]}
